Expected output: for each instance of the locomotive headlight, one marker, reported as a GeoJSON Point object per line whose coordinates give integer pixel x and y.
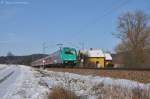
{"type": "Point", "coordinates": [66, 61]}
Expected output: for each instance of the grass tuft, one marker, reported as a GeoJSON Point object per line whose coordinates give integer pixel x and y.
{"type": "Point", "coordinates": [61, 93]}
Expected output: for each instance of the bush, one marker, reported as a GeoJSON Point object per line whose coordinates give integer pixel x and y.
{"type": "Point", "coordinates": [61, 93]}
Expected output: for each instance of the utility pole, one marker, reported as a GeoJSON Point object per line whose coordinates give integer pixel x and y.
{"type": "Point", "coordinates": [59, 45]}
{"type": "Point", "coordinates": [82, 45]}
{"type": "Point", "coordinates": [44, 47]}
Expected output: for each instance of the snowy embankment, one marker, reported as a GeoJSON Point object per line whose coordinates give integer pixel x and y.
{"type": "Point", "coordinates": [92, 86]}
{"type": "Point", "coordinates": [22, 82]}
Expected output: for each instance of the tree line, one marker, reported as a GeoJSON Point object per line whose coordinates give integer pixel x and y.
{"type": "Point", "coordinates": [21, 60]}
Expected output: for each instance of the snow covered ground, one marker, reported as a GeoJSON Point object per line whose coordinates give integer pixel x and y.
{"type": "Point", "coordinates": [22, 82]}
{"type": "Point", "coordinates": [18, 82]}
{"type": "Point", "coordinates": [90, 87]}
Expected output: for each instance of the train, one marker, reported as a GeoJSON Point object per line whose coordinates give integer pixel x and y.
{"type": "Point", "coordinates": [68, 56]}
{"type": "Point", "coordinates": [63, 56]}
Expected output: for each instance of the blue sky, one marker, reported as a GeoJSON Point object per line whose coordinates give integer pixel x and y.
{"type": "Point", "coordinates": [26, 24]}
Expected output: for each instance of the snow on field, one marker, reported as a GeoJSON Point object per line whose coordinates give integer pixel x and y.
{"type": "Point", "coordinates": [3, 66]}
{"type": "Point", "coordinates": [89, 86]}
{"type": "Point", "coordinates": [18, 82]}
{"type": "Point", "coordinates": [22, 82]}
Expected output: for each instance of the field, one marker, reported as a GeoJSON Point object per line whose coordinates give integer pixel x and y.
{"type": "Point", "coordinates": [24, 82]}
{"type": "Point", "coordinates": [136, 75]}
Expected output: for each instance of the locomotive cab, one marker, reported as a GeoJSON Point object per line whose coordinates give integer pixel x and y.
{"type": "Point", "coordinates": [69, 56]}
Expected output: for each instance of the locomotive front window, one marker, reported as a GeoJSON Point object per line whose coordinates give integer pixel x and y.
{"type": "Point", "coordinates": [72, 52]}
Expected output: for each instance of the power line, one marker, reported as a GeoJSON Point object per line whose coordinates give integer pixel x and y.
{"type": "Point", "coordinates": [60, 45]}
{"type": "Point", "coordinates": [44, 47]}
{"type": "Point", "coordinates": [107, 12]}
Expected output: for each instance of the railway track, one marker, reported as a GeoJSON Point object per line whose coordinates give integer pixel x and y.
{"type": "Point", "coordinates": [121, 69]}
{"type": "Point", "coordinates": [136, 74]}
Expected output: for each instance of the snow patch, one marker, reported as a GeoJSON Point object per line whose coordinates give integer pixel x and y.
{"type": "Point", "coordinates": [25, 86]}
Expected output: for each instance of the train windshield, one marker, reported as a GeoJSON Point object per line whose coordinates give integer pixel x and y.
{"type": "Point", "coordinates": [71, 52]}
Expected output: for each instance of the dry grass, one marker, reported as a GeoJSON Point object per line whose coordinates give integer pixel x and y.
{"type": "Point", "coordinates": [61, 93]}
{"type": "Point", "coordinates": [103, 92]}
{"type": "Point", "coordinates": [111, 92]}
{"type": "Point", "coordinates": [139, 93]}
{"type": "Point", "coordinates": [115, 92]}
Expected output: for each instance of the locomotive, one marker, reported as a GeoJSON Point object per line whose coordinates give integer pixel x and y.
{"type": "Point", "coordinates": [64, 56]}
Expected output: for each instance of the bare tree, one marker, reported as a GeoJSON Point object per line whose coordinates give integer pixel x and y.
{"type": "Point", "coordinates": [134, 32]}
{"type": "Point", "coordinates": [10, 54]}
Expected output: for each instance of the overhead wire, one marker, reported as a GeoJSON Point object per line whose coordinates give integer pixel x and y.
{"type": "Point", "coordinates": [106, 12]}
